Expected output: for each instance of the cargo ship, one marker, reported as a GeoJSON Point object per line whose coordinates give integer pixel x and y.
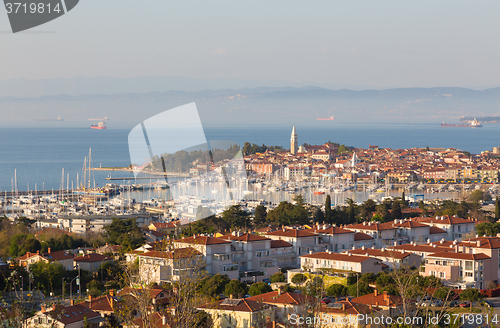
{"type": "Point", "coordinates": [100, 126]}
{"type": "Point", "coordinates": [474, 124]}
{"type": "Point", "coordinates": [331, 118]}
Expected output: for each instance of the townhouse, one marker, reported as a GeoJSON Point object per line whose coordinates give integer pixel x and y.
{"type": "Point", "coordinates": [460, 269]}
{"type": "Point", "coordinates": [455, 227]}
{"type": "Point", "coordinates": [254, 255]}
{"type": "Point", "coordinates": [302, 240]}
{"type": "Point", "coordinates": [344, 262]}
{"type": "Point", "coordinates": [239, 313]}
{"type": "Point", "coordinates": [391, 258]}
{"type": "Point", "coordinates": [170, 266]}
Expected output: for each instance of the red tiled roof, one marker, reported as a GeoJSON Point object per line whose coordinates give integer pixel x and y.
{"type": "Point", "coordinates": [380, 253]}
{"type": "Point", "coordinates": [460, 256]}
{"type": "Point", "coordinates": [361, 236]}
{"type": "Point", "coordinates": [350, 308]}
{"type": "Point", "coordinates": [332, 231]}
{"type": "Point", "coordinates": [446, 219]}
{"type": "Point", "coordinates": [292, 233]}
{"type": "Point", "coordinates": [71, 314]}
{"type": "Point", "coordinates": [240, 305]}
{"type": "Point", "coordinates": [100, 304]}
{"type": "Point", "coordinates": [382, 299]}
{"type": "Point", "coordinates": [371, 226]}
{"type": "Point", "coordinates": [434, 230]}
{"type": "Point", "coordinates": [275, 297]}
{"type": "Point", "coordinates": [280, 243]}
{"type": "Point", "coordinates": [92, 258]}
{"type": "Point", "coordinates": [247, 237]}
{"type": "Point", "coordinates": [337, 257]}
{"type": "Point", "coordinates": [203, 240]}
{"type": "Point", "coordinates": [176, 253]}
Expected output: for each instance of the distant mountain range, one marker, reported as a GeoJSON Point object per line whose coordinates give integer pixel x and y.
{"type": "Point", "coordinates": [263, 105]}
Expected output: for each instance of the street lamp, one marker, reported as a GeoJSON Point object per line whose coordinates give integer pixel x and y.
{"type": "Point", "coordinates": [63, 289]}
{"type": "Point", "coordinates": [71, 287]}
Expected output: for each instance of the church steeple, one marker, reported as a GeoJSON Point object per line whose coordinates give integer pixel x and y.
{"type": "Point", "coordinates": [294, 141]}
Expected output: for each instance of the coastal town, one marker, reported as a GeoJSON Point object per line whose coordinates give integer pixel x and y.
{"type": "Point", "coordinates": [422, 241]}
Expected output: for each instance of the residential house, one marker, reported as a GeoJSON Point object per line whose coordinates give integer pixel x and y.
{"type": "Point", "coordinates": [75, 316]}
{"type": "Point", "coordinates": [62, 257]}
{"type": "Point", "coordinates": [91, 262]}
{"type": "Point", "coordinates": [169, 266]}
{"type": "Point", "coordinates": [239, 313]}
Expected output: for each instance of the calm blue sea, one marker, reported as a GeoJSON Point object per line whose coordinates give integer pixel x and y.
{"type": "Point", "coordinates": [40, 154]}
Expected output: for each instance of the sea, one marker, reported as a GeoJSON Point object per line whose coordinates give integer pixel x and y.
{"type": "Point", "coordinates": [45, 158]}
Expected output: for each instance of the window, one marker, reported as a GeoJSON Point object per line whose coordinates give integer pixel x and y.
{"type": "Point", "coordinates": [468, 274]}
{"type": "Point", "coordinates": [468, 265]}
{"type": "Point", "coordinates": [441, 275]}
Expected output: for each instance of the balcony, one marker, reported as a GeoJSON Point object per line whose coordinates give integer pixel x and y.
{"type": "Point", "coordinates": [291, 254]}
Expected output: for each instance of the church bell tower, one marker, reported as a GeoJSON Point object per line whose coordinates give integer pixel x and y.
{"type": "Point", "coordinates": [294, 141]}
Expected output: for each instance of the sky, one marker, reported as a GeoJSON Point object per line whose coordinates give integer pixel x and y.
{"type": "Point", "coordinates": [361, 43]}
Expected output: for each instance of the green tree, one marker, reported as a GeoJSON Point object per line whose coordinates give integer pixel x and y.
{"type": "Point", "coordinates": [471, 295]}
{"type": "Point", "coordinates": [299, 279]}
{"type": "Point", "coordinates": [485, 228]}
{"type": "Point", "coordinates": [497, 209]}
{"type": "Point", "coordinates": [328, 208]}
{"type": "Point", "coordinates": [259, 288]}
{"type": "Point", "coordinates": [359, 289]}
{"type": "Point", "coordinates": [236, 288]}
{"type": "Point", "coordinates": [214, 285]}
{"type": "Point", "coordinates": [476, 196]}
{"type": "Point", "coordinates": [444, 293]}
{"type": "Point", "coordinates": [343, 149]}
{"type": "Point", "coordinates": [396, 210]}
{"type": "Point", "coordinates": [315, 286]}
{"type": "Point", "coordinates": [351, 210]}
{"type": "Point", "coordinates": [369, 207]}
{"type": "Point", "coordinates": [124, 232]}
{"type": "Point", "coordinates": [336, 290]}
{"type": "Point", "coordinates": [260, 216]}
{"type": "Point", "coordinates": [236, 217]}
{"type": "Point", "coordinates": [278, 277]}
{"type": "Point", "coordinates": [48, 276]}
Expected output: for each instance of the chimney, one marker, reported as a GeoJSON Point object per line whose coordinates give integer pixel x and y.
{"type": "Point", "coordinates": [48, 251]}
{"type": "Point", "coordinates": [478, 243]}
{"type": "Point", "coordinates": [376, 304]}
{"type": "Point", "coordinates": [386, 296]}
{"type": "Point", "coordinates": [279, 290]}
{"type": "Point", "coordinates": [44, 308]}
{"type": "Point", "coordinates": [38, 252]}
{"type": "Point", "coordinates": [163, 320]}
{"type": "Point", "coordinates": [72, 302]}
{"type": "Point", "coordinates": [231, 296]}
{"type": "Point", "coordinates": [111, 292]}
{"type": "Point", "coordinates": [375, 292]}
{"type": "Point", "coordinates": [363, 247]}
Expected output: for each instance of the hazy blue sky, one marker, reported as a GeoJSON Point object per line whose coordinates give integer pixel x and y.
{"type": "Point", "coordinates": [372, 43]}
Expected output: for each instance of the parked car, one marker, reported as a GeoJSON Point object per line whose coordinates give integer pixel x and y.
{"type": "Point", "coordinates": [454, 303]}
{"type": "Point", "coordinates": [325, 300]}
{"type": "Point", "coordinates": [464, 304]}
{"type": "Point", "coordinates": [425, 303]}
{"type": "Point", "coordinates": [436, 303]}
{"type": "Point", "coordinates": [486, 304]}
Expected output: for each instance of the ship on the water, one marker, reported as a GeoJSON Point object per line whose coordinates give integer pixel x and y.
{"type": "Point", "coordinates": [100, 126]}
{"type": "Point", "coordinates": [474, 124]}
{"type": "Point", "coordinates": [59, 118]}
{"type": "Point", "coordinates": [331, 118]}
